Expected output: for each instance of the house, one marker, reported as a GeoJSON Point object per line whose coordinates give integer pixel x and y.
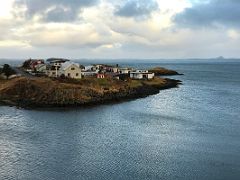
{"type": "Point", "coordinates": [89, 71]}
{"type": "Point", "coordinates": [124, 70]}
{"type": "Point", "coordinates": [141, 74]}
{"type": "Point", "coordinates": [56, 61]}
{"type": "Point", "coordinates": [89, 68]}
{"type": "Point", "coordinates": [52, 71]}
{"type": "Point", "coordinates": [70, 70]}
{"type": "Point", "coordinates": [111, 69]}
{"type": "Point", "coordinates": [100, 76]}
{"type": "Point", "coordinates": [35, 62]}
{"type": "Point", "coordinates": [41, 68]}
{"type": "Point", "coordinates": [98, 67]}
{"type": "Point", "coordinates": [115, 69]}
{"type": "Point", "coordinates": [30, 65]}
{"type": "Point", "coordinates": [54, 65]}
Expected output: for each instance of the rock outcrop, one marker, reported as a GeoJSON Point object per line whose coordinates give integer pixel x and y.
{"type": "Point", "coordinates": [159, 71]}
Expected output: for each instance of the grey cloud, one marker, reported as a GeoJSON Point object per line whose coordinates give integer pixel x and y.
{"type": "Point", "coordinates": [61, 10]}
{"type": "Point", "coordinates": [59, 14]}
{"type": "Point", "coordinates": [137, 8]}
{"type": "Point", "coordinates": [224, 12]}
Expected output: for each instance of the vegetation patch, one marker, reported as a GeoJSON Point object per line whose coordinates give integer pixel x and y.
{"type": "Point", "coordinates": [7, 70]}
{"type": "Point", "coordinates": [159, 71]}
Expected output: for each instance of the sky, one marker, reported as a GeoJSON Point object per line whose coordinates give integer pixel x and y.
{"type": "Point", "coordinates": [113, 29]}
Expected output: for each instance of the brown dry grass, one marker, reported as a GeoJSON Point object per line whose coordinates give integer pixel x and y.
{"type": "Point", "coordinates": [45, 90]}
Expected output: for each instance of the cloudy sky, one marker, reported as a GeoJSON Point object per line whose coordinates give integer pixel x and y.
{"type": "Point", "coordinates": [119, 28]}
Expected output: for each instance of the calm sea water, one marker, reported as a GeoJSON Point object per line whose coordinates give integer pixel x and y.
{"type": "Point", "coordinates": [191, 132]}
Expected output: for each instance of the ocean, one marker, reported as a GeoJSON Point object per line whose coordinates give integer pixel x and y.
{"type": "Point", "coordinates": [186, 133]}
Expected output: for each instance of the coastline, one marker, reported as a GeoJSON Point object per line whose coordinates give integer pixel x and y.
{"type": "Point", "coordinates": [43, 93]}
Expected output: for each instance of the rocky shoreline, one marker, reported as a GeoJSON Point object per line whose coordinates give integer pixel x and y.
{"type": "Point", "coordinates": [51, 93]}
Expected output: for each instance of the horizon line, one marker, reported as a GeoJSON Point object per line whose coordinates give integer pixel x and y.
{"type": "Point", "coordinates": [193, 58]}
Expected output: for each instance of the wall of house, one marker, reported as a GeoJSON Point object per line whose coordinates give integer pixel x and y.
{"type": "Point", "coordinates": [72, 72]}
{"type": "Point", "coordinates": [115, 70]}
{"type": "Point", "coordinates": [142, 71]}
{"type": "Point", "coordinates": [100, 76]}
{"type": "Point", "coordinates": [52, 73]}
{"type": "Point", "coordinates": [88, 73]}
{"type": "Point", "coordinates": [58, 64]}
{"type": "Point", "coordinates": [142, 75]}
{"type": "Point", "coordinates": [41, 68]}
{"type": "Point", "coordinates": [150, 75]}
{"type": "Point", "coordinates": [124, 71]}
{"type": "Point", "coordinates": [136, 76]}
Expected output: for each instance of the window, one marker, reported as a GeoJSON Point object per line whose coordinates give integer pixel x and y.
{"type": "Point", "coordinates": [77, 74]}
{"type": "Point", "coordinates": [69, 74]}
{"type": "Point", "coordinates": [72, 68]}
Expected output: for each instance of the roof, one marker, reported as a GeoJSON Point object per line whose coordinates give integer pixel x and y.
{"type": "Point", "coordinates": [36, 60]}
{"type": "Point", "coordinates": [57, 60]}
{"type": "Point", "coordinates": [136, 72]}
{"type": "Point", "coordinates": [67, 64]}
{"type": "Point", "coordinates": [126, 68]}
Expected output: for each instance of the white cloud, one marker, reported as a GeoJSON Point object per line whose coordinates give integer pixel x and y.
{"type": "Point", "coordinates": [5, 8]}
{"type": "Point", "coordinates": [233, 34]}
{"type": "Point", "coordinates": [97, 31]}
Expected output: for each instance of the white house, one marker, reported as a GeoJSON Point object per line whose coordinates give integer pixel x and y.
{"type": "Point", "coordinates": [141, 74]}
{"type": "Point", "coordinates": [89, 71]}
{"type": "Point", "coordinates": [115, 69]}
{"type": "Point", "coordinates": [124, 70]}
{"type": "Point", "coordinates": [70, 70]}
{"type": "Point", "coordinates": [54, 65]}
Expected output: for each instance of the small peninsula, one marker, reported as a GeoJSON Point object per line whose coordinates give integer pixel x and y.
{"type": "Point", "coordinates": [31, 91]}
{"type": "Point", "coordinates": [160, 71]}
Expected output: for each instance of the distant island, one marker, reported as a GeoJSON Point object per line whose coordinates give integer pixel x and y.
{"type": "Point", "coordinates": [62, 83]}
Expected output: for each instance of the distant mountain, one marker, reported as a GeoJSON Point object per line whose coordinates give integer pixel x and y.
{"type": "Point", "coordinates": [220, 57]}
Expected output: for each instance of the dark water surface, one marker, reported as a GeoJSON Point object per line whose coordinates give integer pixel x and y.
{"type": "Point", "coordinates": [191, 132]}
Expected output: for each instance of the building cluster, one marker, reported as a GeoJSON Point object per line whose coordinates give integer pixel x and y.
{"type": "Point", "coordinates": [58, 67]}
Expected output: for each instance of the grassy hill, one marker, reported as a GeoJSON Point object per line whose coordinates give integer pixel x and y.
{"type": "Point", "coordinates": [46, 92]}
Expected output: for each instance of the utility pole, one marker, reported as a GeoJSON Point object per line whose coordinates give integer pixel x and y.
{"type": "Point", "coordinates": [56, 71]}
